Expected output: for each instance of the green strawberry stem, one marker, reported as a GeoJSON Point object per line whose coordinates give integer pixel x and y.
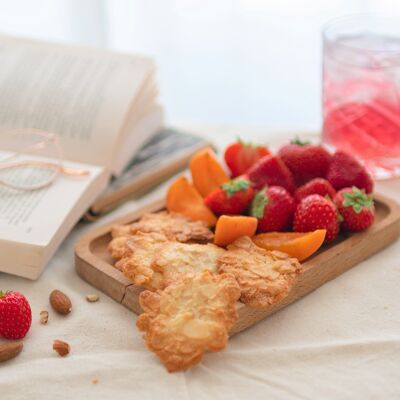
{"type": "Point", "coordinates": [2, 294]}
{"type": "Point", "coordinates": [248, 144]}
{"type": "Point", "coordinates": [235, 185]}
{"type": "Point", "coordinates": [300, 142]}
{"type": "Point", "coordinates": [357, 199]}
{"type": "Point", "coordinates": [259, 203]}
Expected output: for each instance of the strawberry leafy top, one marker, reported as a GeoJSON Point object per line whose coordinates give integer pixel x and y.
{"type": "Point", "coordinates": [357, 199]}
{"type": "Point", "coordinates": [235, 185]}
{"type": "Point", "coordinates": [249, 144]}
{"type": "Point", "coordinates": [259, 203]}
{"type": "Point", "coordinates": [300, 142]}
{"type": "Point", "coordinates": [3, 294]}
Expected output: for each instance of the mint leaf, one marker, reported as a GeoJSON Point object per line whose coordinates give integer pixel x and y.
{"type": "Point", "coordinates": [235, 185]}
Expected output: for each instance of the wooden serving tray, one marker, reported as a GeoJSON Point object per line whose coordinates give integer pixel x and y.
{"type": "Point", "coordinates": [94, 264]}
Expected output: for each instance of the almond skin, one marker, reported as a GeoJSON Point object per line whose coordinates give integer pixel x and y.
{"type": "Point", "coordinates": [60, 302]}
{"type": "Point", "coordinates": [62, 348]}
{"type": "Point", "coordinates": [10, 350]}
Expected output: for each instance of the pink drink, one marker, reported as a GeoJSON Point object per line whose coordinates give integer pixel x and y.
{"type": "Point", "coordinates": [361, 91]}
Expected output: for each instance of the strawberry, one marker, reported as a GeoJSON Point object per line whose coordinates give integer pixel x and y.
{"type": "Point", "coordinates": [317, 212]}
{"type": "Point", "coordinates": [273, 207]}
{"type": "Point", "coordinates": [356, 208]}
{"type": "Point", "coordinates": [271, 171]}
{"type": "Point", "coordinates": [315, 186]}
{"type": "Point", "coordinates": [305, 160]}
{"type": "Point", "coordinates": [232, 197]}
{"type": "Point", "coordinates": [346, 171]}
{"type": "Point", "coordinates": [240, 156]}
{"type": "Point", "coordinates": [15, 315]}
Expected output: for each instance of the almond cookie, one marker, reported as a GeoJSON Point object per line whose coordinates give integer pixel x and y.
{"type": "Point", "coordinates": [265, 277]}
{"type": "Point", "coordinates": [155, 262]}
{"type": "Point", "coordinates": [138, 264]}
{"type": "Point", "coordinates": [189, 318]}
{"type": "Point", "coordinates": [173, 225]}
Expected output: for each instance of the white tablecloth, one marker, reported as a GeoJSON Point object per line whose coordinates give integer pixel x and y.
{"type": "Point", "coordinates": [340, 342]}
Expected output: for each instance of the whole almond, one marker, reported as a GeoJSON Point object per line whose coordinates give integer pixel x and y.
{"type": "Point", "coordinates": [10, 350]}
{"type": "Point", "coordinates": [62, 348]}
{"type": "Point", "coordinates": [60, 302]}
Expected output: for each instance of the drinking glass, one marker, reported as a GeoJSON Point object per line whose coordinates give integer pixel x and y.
{"type": "Point", "coordinates": [361, 90]}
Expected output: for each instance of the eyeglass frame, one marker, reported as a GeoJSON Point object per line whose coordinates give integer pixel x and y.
{"type": "Point", "coordinates": [58, 168]}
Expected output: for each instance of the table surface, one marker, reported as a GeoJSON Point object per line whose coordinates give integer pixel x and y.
{"type": "Point", "coordinates": [340, 342]}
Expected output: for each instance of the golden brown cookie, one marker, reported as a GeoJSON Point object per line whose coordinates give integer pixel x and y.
{"type": "Point", "coordinates": [173, 225]}
{"type": "Point", "coordinates": [138, 264]}
{"type": "Point", "coordinates": [189, 318]}
{"type": "Point", "coordinates": [178, 260]}
{"type": "Point", "coordinates": [121, 230]}
{"type": "Point", "coordinates": [117, 247]}
{"type": "Point", "coordinates": [156, 262]}
{"type": "Point", "coordinates": [265, 277]}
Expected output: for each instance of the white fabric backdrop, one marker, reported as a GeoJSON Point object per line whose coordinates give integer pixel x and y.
{"type": "Point", "coordinates": [250, 62]}
{"type": "Point", "coordinates": [341, 341]}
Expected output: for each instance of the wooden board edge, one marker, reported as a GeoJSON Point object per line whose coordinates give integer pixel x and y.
{"type": "Point", "coordinates": [115, 288]}
{"type": "Point", "coordinates": [330, 269]}
{"type": "Point", "coordinates": [120, 289]}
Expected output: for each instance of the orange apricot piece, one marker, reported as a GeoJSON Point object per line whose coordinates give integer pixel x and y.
{"type": "Point", "coordinates": [183, 198]}
{"type": "Point", "coordinates": [297, 244]}
{"type": "Point", "coordinates": [231, 227]}
{"type": "Point", "coordinates": [207, 173]}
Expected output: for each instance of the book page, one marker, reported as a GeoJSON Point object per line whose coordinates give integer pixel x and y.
{"type": "Point", "coordinates": [34, 217]}
{"type": "Point", "coordinates": [82, 94]}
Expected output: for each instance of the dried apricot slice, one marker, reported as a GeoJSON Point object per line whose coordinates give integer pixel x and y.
{"type": "Point", "coordinates": [232, 227]}
{"type": "Point", "coordinates": [299, 245]}
{"type": "Point", "coordinates": [207, 173]}
{"type": "Point", "coordinates": [183, 198]}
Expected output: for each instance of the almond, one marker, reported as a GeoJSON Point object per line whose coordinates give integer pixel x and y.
{"type": "Point", "coordinates": [62, 348]}
{"type": "Point", "coordinates": [10, 350]}
{"type": "Point", "coordinates": [44, 317]}
{"type": "Point", "coordinates": [60, 302]}
{"type": "Point", "coordinates": [92, 298]}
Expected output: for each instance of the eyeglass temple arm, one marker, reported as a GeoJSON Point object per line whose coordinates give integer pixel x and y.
{"type": "Point", "coordinates": [44, 164]}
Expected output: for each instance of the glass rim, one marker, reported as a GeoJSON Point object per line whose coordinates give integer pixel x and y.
{"type": "Point", "coordinates": [377, 16]}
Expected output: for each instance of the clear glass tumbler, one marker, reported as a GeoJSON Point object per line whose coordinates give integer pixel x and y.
{"type": "Point", "coordinates": [361, 90]}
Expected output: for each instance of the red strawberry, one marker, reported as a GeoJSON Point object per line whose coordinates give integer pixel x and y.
{"type": "Point", "coordinates": [346, 171]}
{"type": "Point", "coordinates": [271, 171]}
{"type": "Point", "coordinates": [316, 212]}
{"type": "Point", "coordinates": [315, 186]}
{"type": "Point", "coordinates": [306, 161]}
{"type": "Point", "coordinates": [240, 156]}
{"type": "Point", "coordinates": [356, 208]}
{"type": "Point", "coordinates": [232, 197]}
{"type": "Point", "coordinates": [274, 208]}
{"type": "Point", "coordinates": [15, 315]}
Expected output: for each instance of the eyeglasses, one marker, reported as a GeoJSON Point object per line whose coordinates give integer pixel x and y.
{"type": "Point", "coordinates": [32, 159]}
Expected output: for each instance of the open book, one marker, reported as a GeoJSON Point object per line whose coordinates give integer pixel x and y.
{"type": "Point", "coordinates": [101, 104]}
{"type": "Point", "coordinates": [148, 168]}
